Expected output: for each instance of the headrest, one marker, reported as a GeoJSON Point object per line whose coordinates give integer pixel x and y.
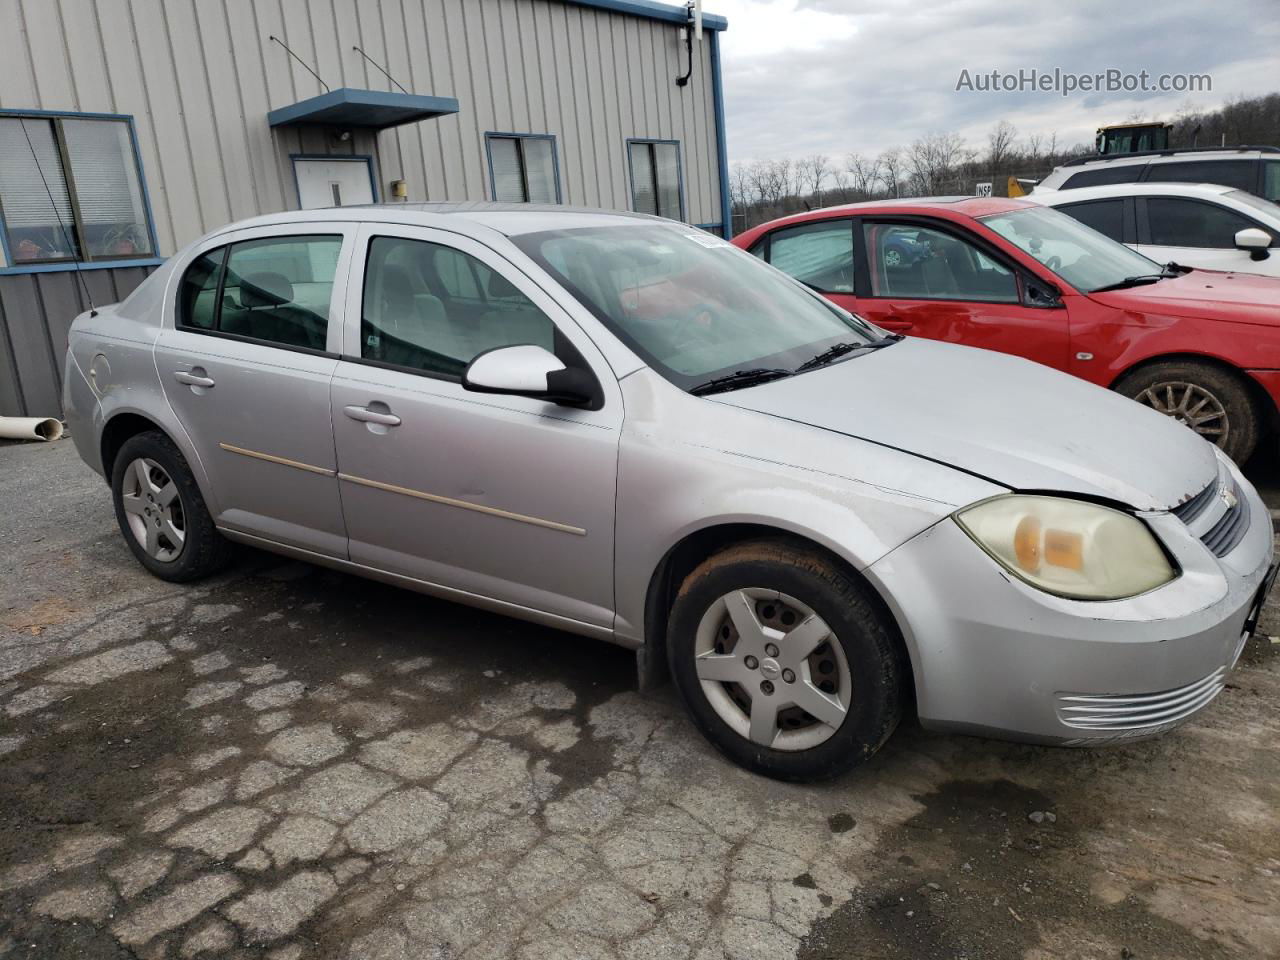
{"type": "Point", "coordinates": [265, 290]}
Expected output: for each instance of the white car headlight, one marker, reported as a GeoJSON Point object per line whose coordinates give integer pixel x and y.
{"type": "Point", "coordinates": [1069, 547]}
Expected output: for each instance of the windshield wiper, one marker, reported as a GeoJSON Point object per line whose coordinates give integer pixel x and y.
{"type": "Point", "coordinates": [739, 379]}
{"type": "Point", "coordinates": [1128, 282]}
{"type": "Point", "coordinates": [838, 350]}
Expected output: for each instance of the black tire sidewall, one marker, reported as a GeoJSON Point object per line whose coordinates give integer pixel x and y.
{"type": "Point", "coordinates": [203, 549]}
{"type": "Point", "coordinates": [1229, 389]}
{"type": "Point", "coordinates": [873, 666]}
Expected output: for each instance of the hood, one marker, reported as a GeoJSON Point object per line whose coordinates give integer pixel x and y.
{"type": "Point", "coordinates": [1242, 297]}
{"type": "Point", "coordinates": [1017, 423]}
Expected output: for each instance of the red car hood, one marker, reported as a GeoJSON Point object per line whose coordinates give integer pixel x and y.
{"type": "Point", "coordinates": [1242, 297]}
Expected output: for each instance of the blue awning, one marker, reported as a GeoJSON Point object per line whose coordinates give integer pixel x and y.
{"type": "Point", "coordinates": [348, 107]}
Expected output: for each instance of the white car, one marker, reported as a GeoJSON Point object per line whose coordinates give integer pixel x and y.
{"type": "Point", "coordinates": [1200, 225]}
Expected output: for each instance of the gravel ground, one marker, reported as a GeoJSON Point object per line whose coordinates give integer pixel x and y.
{"type": "Point", "coordinates": [289, 763]}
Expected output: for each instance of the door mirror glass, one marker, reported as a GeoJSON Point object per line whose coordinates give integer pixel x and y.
{"type": "Point", "coordinates": [528, 370]}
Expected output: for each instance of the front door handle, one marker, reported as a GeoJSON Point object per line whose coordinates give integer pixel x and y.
{"type": "Point", "coordinates": [365, 415]}
{"type": "Point", "coordinates": [193, 377]}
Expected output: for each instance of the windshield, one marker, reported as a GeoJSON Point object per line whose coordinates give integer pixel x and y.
{"type": "Point", "coordinates": [1262, 206]}
{"type": "Point", "coordinates": [691, 305]}
{"type": "Point", "coordinates": [1080, 255]}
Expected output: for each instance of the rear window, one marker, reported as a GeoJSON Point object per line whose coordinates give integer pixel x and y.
{"type": "Point", "coordinates": [1241, 174]}
{"type": "Point", "coordinates": [1099, 176]}
{"type": "Point", "coordinates": [1105, 216]}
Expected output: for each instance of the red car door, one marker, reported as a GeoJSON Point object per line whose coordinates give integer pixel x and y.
{"type": "Point", "coordinates": [931, 278]}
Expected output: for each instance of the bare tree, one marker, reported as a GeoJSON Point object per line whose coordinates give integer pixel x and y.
{"type": "Point", "coordinates": [934, 160]}
{"type": "Point", "coordinates": [890, 165]}
{"type": "Point", "coordinates": [740, 186]}
{"type": "Point", "coordinates": [1000, 144]}
{"type": "Point", "coordinates": [811, 172]}
{"type": "Point", "coordinates": [864, 173]}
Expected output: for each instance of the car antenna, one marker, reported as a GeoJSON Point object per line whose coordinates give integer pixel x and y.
{"type": "Point", "coordinates": [66, 237]}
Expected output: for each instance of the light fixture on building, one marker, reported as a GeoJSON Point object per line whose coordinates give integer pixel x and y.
{"type": "Point", "coordinates": [691, 30]}
{"type": "Point", "coordinates": [399, 190]}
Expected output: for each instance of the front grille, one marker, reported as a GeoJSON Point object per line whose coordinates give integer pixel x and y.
{"type": "Point", "coordinates": [1188, 510]}
{"type": "Point", "coordinates": [1139, 711]}
{"type": "Point", "coordinates": [1226, 534]}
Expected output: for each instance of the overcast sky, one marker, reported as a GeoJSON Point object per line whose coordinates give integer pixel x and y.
{"type": "Point", "coordinates": [834, 76]}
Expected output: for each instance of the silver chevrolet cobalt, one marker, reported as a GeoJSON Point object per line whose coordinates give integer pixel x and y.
{"type": "Point", "coordinates": [626, 428]}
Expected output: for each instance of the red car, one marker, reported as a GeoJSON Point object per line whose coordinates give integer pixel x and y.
{"type": "Point", "coordinates": [1008, 275]}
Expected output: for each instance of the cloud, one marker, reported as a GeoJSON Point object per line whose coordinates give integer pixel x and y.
{"type": "Point", "coordinates": [834, 76]}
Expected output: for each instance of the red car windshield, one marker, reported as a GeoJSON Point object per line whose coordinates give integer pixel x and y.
{"type": "Point", "coordinates": [692, 305]}
{"type": "Point", "coordinates": [1080, 255]}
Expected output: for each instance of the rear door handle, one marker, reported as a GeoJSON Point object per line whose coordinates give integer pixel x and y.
{"type": "Point", "coordinates": [365, 415]}
{"type": "Point", "coordinates": [192, 378]}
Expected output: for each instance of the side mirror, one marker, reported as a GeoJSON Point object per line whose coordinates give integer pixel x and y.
{"type": "Point", "coordinates": [1255, 241]}
{"type": "Point", "coordinates": [528, 370]}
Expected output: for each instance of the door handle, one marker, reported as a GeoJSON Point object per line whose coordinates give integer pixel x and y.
{"type": "Point", "coordinates": [365, 415]}
{"type": "Point", "coordinates": [193, 377]}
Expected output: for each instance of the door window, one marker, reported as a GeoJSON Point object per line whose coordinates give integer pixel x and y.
{"type": "Point", "coordinates": [1230, 173]}
{"type": "Point", "coordinates": [1105, 216]}
{"type": "Point", "coordinates": [1271, 180]}
{"type": "Point", "coordinates": [818, 254]}
{"type": "Point", "coordinates": [912, 262]}
{"type": "Point", "coordinates": [277, 290]}
{"type": "Point", "coordinates": [433, 308]}
{"type": "Point", "coordinates": [1191, 223]}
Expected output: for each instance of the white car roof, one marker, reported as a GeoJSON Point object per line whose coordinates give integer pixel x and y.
{"type": "Point", "coordinates": [1204, 191]}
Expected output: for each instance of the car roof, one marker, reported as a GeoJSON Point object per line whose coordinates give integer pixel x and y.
{"type": "Point", "coordinates": [510, 219]}
{"type": "Point", "coordinates": [973, 207]}
{"type": "Point", "coordinates": [1052, 197]}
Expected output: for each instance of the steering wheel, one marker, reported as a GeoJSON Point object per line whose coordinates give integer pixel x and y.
{"type": "Point", "coordinates": [1054, 263]}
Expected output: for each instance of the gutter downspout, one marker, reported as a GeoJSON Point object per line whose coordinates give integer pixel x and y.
{"type": "Point", "coordinates": [717, 93]}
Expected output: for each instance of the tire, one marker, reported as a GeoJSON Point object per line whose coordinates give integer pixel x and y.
{"type": "Point", "coordinates": [1175, 387]}
{"type": "Point", "coordinates": [782, 587]}
{"type": "Point", "coordinates": [161, 498]}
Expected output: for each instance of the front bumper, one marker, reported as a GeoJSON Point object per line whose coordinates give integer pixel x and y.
{"type": "Point", "coordinates": [994, 656]}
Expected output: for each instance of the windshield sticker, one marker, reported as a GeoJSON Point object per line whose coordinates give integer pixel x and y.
{"type": "Point", "coordinates": [705, 240]}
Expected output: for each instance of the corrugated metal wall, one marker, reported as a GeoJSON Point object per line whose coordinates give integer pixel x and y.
{"type": "Point", "coordinates": [199, 77]}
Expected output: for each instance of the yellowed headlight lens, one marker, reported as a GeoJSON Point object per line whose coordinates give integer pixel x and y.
{"type": "Point", "coordinates": [1069, 547]}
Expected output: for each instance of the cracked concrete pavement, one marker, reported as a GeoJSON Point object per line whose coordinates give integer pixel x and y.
{"type": "Point", "coordinates": [288, 763]}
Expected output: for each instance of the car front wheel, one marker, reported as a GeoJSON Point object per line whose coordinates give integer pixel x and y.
{"type": "Point", "coordinates": [161, 512]}
{"type": "Point", "coordinates": [1215, 403]}
{"type": "Point", "coordinates": [783, 661]}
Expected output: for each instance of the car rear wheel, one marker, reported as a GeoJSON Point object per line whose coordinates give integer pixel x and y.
{"type": "Point", "coordinates": [783, 661]}
{"type": "Point", "coordinates": [161, 513]}
{"type": "Point", "coordinates": [1213, 402]}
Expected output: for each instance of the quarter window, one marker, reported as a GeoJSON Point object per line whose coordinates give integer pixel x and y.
{"type": "Point", "coordinates": [523, 168]}
{"type": "Point", "coordinates": [433, 308]}
{"type": "Point", "coordinates": [70, 189]}
{"type": "Point", "coordinates": [1191, 223]}
{"type": "Point", "coordinates": [818, 254]}
{"type": "Point", "coordinates": [277, 290]}
{"type": "Point", "coordinates": [656, 186]}
{"type": "Point", "coordinates": [911, 262]}
{"type": "Point", "coordinates": [1105, 216]}
{"type": "Point", "coordinates": [1271, 180]}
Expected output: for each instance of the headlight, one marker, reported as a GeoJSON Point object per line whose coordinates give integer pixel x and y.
{"type": "Point", "coordinates": [1069, 547]}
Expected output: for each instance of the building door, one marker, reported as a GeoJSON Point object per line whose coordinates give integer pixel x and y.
{"type": "Point", "coordinates": [333, 181]}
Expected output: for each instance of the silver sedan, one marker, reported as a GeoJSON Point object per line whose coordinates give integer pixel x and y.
{"type": "Point", "coordinates": [626, 428]}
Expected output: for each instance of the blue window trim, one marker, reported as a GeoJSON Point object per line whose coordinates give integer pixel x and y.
{"type": "Point", "coordinates": [297, 189]}
{"type": "Point", "coordinates": [127, 118]}
{"type": "Point", "coordinates": [490, 135]}
{"type": "Point", "coordinates": [717, 93]}
{"type": "Point", "coordinates": [631, 173]}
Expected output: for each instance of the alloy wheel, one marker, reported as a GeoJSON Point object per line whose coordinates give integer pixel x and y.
{"type": "Point", "coordinates": [772, 669]}
{"type": "Point", "coordinates": [153, 509]}
{"type": "Point", "coordinates": [1192, 406]}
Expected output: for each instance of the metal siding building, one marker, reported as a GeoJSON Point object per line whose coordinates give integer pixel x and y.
{"type": "Point", "coordinates": [201, 81]}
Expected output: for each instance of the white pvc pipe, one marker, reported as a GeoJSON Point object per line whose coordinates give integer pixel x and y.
{"type": "Point", "coordinates": [30, 428]}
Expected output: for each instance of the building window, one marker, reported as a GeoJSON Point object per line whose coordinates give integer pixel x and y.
{"type": "Point", "coordinates": [656, 185]}
{"type": "Point", "coordinates": [523, 167]}
{"type": "Point", "coordinates": [71, 190]}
